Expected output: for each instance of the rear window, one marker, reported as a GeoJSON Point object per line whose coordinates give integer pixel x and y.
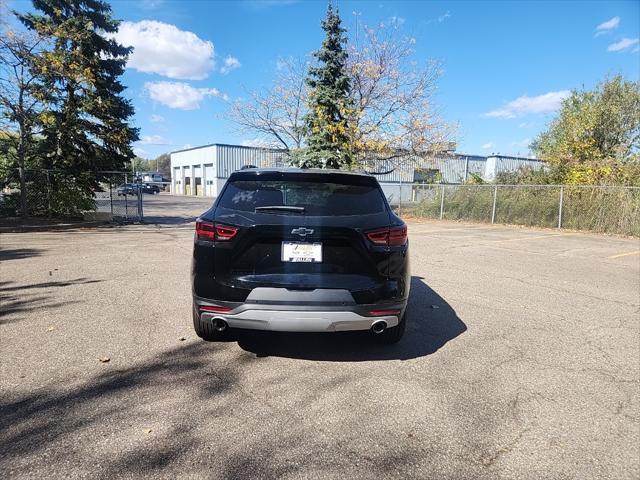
{"type": "Point", "coordinates": [317, 198]}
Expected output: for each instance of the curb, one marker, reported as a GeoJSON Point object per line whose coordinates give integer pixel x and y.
{"type": "Point", "coordinates": [51, 227]}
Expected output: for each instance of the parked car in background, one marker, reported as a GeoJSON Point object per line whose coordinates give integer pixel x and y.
{"type": "Point", "coordinates": [300, 251]}
{"type": "Point", "coordinates": [133, 188]}
{"type": "Point", "coordinates": [151, 189]}
{"type": "Point", "coordinates": [127, 189]}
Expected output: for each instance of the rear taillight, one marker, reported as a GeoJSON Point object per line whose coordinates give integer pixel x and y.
{"type": "Point", "coordinates": [205, 230]}
{"type": "Point", "coordinates": [389, 236]}
{"type": "Point", "coordinates": [225, 232]}
{"type": "Point", "coordinates": [384, 313]}
{"type": "Point", "coordinates": [210, 231]}
{"type": "Point", "coordinates": [214, 309]}
{"type": "Point", "coordinates": [398, 235]}
{"type": "Point", "coordinates": [379, 237]}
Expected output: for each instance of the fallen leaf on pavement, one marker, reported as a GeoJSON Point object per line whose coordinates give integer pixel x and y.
{"type": "Point", "coordinates": [182, 339]}
{"type": "Point", "coordinates": [148, 430]}
{"type": "Point", "coordinates": [51, 329]}
{"type": "Point", "coordinates": [104, 359]}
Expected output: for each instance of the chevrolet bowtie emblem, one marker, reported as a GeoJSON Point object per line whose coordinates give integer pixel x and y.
{"type": "Point", "coordinates": [302, 231]}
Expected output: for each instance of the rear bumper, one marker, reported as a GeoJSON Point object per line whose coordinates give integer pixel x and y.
{"type": "Point", "coordinates": [320, 310]}
{"type": "Point", "coordinates": [298, 321]}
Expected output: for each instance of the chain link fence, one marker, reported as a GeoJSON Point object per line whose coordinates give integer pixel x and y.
{"type": "Point", "coordinates": [53, 193]}
{"type": "Point", "coordinates": [601, 209]}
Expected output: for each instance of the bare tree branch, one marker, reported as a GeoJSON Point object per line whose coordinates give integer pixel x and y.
{"type": "Point", "coordinates": [276, 114]}
{"type": "Point", "coordinates": [394, 113]}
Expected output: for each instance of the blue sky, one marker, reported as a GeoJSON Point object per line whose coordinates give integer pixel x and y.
{"type": "Point", "coordinates": [506, 64]}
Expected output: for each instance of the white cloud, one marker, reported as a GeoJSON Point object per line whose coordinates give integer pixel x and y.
{"type": "Point", "coordinates": [607, 26]}
{"type": "Point", "coordinates": [522, 143]}
{"type": "Point", "coordinates": [230, 64]}
{"type": "Point", "coordinates": [443, 17]}
{"type": "Point", "coordinates": [526, 125]}
{"type": "Point", "coordinates": [545, 103]}
{"type": "Point", "coordinates": [139, 152]}
{"type": "Point", "coordinates": [151, 140]}
{"type": "Point", "coordinates": [623, 44]}
{"type": "Point", "coordinates": [487, 146]}
{"type": "Point", "coordinates": [440, 18]}
{"type": "Point", "coordinates": [179, 95]}
{"type": "Point", "coordinates": [396, 21]}
{"type": "Point", "coordinates": [166, 50]}
{"type": "Point", "coordinates": [156, 118]}
{"type": "Point", "coordinates": [151, 4]}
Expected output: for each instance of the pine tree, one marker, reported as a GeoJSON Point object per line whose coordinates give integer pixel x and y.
{"type": "Point", "coordinates": [326, 125]}
{"type": "Point", "coordinates": [86, 126]}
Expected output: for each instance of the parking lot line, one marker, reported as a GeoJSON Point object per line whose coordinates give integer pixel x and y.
{"type": "Point", "coordinates": [627, 254]}
{"type": "Point", "coordinates": [537, 237]}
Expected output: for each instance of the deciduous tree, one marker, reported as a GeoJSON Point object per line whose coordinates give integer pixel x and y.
{"type": "Point", "coordinates": [395, 114]}
{"type": "Point", "coordinates": [595, 126]}
{"type": "Point", "coordinates": [595, 138]}
{"type": "Point", "coordinates": [21, 102]}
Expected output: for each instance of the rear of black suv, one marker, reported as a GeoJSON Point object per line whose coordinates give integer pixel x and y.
{"type": "Point", "coordinates": [300, 251]}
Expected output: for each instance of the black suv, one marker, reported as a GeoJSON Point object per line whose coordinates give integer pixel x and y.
{"type": "Point", "coordinates": [300, 251]}
{"type": "Point", "coordinates": [148, 188]}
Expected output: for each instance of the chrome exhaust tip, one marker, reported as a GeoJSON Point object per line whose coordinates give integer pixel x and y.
{"type": "Point", "coordinates": [219, 324]}
{"type": "Point", "coordinates": [379, 326]}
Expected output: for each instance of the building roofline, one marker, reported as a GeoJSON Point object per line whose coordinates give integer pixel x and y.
{"type": "Point", "coordinates": [471, 156]}
{"type": "Point", "coordinates": [296, 170]}
{"type": "Point", "coordinates": [517, 157]}
{"type": "Point", "coordinates": [228, 145]}
{"type": "Point", "coordinates": [282, 150]}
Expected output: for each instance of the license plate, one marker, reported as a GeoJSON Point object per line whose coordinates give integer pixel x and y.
{"type": "Point", "coordinates": [301, 252]}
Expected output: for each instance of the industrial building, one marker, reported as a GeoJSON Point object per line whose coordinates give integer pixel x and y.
{"type": "Point", "coordinates": [204, 170]}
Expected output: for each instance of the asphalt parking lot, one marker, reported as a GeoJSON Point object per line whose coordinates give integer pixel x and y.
{"type": "Point", "coordinates": [521, 360]}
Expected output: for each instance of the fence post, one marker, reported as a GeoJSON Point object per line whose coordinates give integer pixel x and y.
{"type": "Point", "coordinates": [23, 191]}
{"type": "Point", "coordinates": [493, 209]}
{"type": "Point", "coordinates": [48, 193]}
{"type": "Point", "coordinates": [111, 196]}
{"type": "Point", "coordinates": [400, 201]}
{"type": "Point", "coordinates": [140, 211]}
{"type": "Point", "coordinates": [441, 201]}
{"type": "Point", "coordinates": [466, 169]}
{"type": "Point", "coordinates": [560, 206]}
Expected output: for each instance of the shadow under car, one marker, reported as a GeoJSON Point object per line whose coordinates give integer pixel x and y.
{"type": "Point", "coordinates": [431, 323]}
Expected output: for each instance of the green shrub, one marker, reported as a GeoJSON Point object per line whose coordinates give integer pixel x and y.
{"type": "Point", "coordinates": [52, 194]}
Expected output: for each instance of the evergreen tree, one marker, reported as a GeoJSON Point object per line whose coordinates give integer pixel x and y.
{"type": "Point", "coordinates": [86, 126]}
{"type": "Point", "coordinates": [330, 103]}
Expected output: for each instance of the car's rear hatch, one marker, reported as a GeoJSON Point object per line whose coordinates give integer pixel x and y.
{"type": "Point", "coordinates": [321, 218]}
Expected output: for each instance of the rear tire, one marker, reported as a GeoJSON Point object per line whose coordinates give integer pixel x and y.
{"type": "Point", "coordinates": [393, 334]}
{"type": "Point", "coordinates": [205, 330]}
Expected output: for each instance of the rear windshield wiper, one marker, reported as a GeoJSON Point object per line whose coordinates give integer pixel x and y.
{"type": "Point", "coordinates": [280, 208]}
